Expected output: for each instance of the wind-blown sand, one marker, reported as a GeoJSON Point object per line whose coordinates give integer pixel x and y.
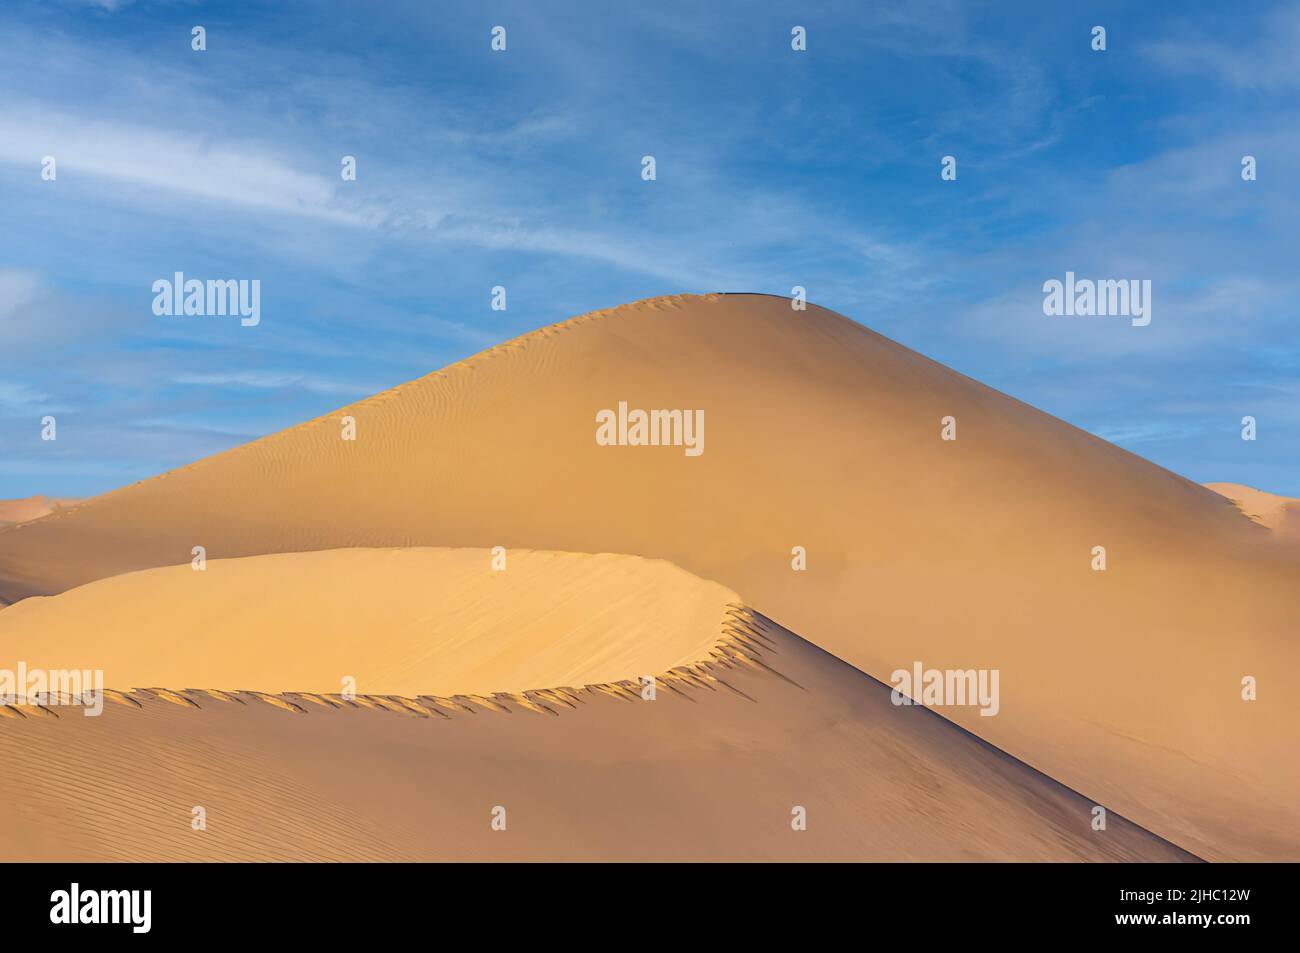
{"type": "Point", "coordinates": [973, 553]}
{"type": "Point", "coordinates": [712, 768]}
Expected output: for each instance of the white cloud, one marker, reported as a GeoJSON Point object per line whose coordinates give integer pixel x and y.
{"type": "Point", "coordinates": [109, 5]}
{"type": "Point", "coordinates": [224, 172]}
{"type": "Point", "coordinates": [17, 290]}
{"type": "Point", "coordinates": [1267, 63]}
{"type": "Point", "coordinates": [1133, 434]}
{"type": "Point", "coordinates": [16, 398]}
{"type": "Point", "coordinates": [274, 380]}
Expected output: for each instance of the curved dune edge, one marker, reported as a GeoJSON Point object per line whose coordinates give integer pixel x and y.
{"type": "Point", "coordinates": [710, 769]}
{"type": "Point", "coordinates": [415, 620]}
{"type": "Point", "coordinates": [741, 643]}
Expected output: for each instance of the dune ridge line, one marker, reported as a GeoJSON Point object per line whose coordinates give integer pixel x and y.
{"type": "Point", "coordinates": [516, 344]}
{"type": "Point", "coordinates": [742, 640]}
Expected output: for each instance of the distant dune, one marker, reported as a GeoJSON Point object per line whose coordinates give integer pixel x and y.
{"type": "Point", "coordinates": [717, 766]}
{"type": "Point", "coordinates": [1278, 513]}
{"type": "Point", "coordinates": [30, 508]}
{"type": "Point", "coordinates": [1124, 685]}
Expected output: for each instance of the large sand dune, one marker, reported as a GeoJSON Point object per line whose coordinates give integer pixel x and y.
{"type": "Point", "coordinates": [973, 553]}
{"type": "Point", "coordinates": [712, 768]}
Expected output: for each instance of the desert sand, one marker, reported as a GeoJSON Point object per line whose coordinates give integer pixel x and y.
{"type": "Point", "coordinates": [395, 621]}
{"type": "Point", "coordinates": [1124, 685]}
{"type": "Point", "coordinates": [714, 767]}
{"type": "Point", "coordinates": [30, 508]}
{"type": "Point", "coordinates": [1279, 513]}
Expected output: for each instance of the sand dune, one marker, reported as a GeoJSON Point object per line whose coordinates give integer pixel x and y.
{"type": "Point", "coordinates": [973, 553]}
{"type": "Point", "coordinates": [1279, 513]}
{"type": "Point", "coordinates": [397, 621]}
{"type": "Point", "coordinates": [713, 768]}
{"type": "Point", "coordinates": [30, 508]}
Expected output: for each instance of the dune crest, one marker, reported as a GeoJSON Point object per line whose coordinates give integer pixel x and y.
{"type": "Point", "coordinates": [976, 552]}
{"type": "Point", "coordinates": [1279, 513]}
{"type": "Point", "coordinates": [392, 621]}
{"type": "Point", "coordinates": [721, 764]}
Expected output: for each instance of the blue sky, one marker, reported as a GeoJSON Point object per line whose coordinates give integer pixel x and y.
{"type": "Point", "coordinates": [522, 169]}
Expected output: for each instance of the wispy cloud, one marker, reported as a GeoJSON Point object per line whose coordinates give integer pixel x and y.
{"type": "Point", "coordinates": [215, 170]}
{"type": "Point", "coordinates": [16, 398]}
{"type": "Point", "coordinates": [109, 5]}
{"type": "Point", "coordinates": [1265, 60]}
{"type": "Point", "coordinates": [1143, 433]}
{"type": "Point", "coordinates": [275, 380]}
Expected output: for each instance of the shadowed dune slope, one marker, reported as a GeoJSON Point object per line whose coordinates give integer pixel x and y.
{"type": "Point", "coordinates": [396, 621]}
{"type": "Point", "coordinates": [711, 769]}
{"type": "Point", "coordinates": [972, 553]}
